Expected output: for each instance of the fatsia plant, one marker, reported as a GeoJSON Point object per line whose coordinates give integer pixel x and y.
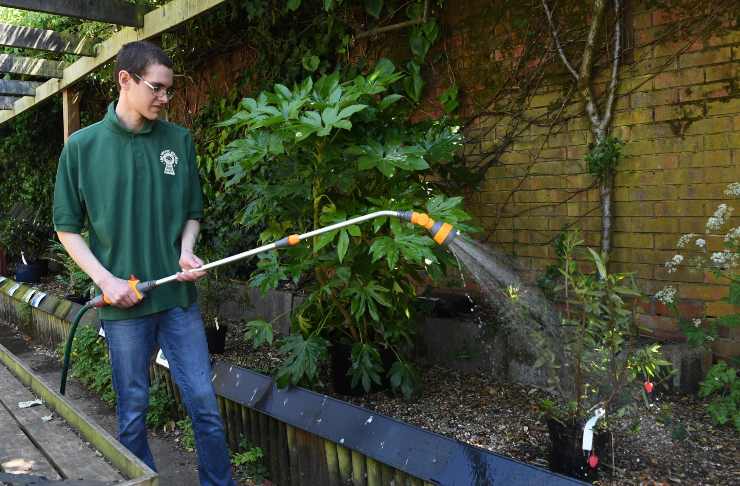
{"type": "Point", "coordinates": [323, 152]}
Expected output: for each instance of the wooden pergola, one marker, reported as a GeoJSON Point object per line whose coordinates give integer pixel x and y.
{"type": "Point", "coordinates": [55, 77]}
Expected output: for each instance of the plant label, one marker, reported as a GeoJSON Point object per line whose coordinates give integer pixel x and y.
{"type": "Point", "coordinates": [161, 360]}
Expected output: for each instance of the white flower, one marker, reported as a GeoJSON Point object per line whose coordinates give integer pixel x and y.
{"type": "Point", "coordinates": [733, 189]}
{"type": "Point", "coordinates": [720, 257]}
{"type": "Point", "coordinates": [697, 322]}
{"type": "Point", "coordinates": [677, 259]}
{"type": "Point", "coordinates": [719, 217]}
{"type": "Point", "coordinates": [733, 234]}
{"type": "Point", "coordinates": [684, 240]}
{"type": "Point", "coordinates": [700, 242]}
{"type": "Point", "coordinates": [672, 264]}
{"type": "Point", "coordinates": [666, 295]}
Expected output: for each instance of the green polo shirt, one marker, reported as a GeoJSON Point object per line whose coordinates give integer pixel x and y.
{"type": "Point", "coordinates": [136, 191]}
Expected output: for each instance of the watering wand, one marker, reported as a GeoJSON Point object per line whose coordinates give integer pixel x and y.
{"type": "Point", "coordinates": [442, 233]}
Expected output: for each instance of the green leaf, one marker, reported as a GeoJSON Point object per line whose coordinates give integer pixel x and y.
{"type": "Point", "coordinates": [324, 239]}
{"type": "Point", "coordinates": [350, 110]}
{"type": "Point", "coordinates": [403, 378]}
{"type": "Point", "coordinates": [343, 245]}
{"type": "Point", "coordinates": [354, 230]}
{"type": "Point", "coordinates": [366, 366]}
{"type": "Point", "coordinates": [734, 297]}
{"type": "Point", "coordinates": [283, 91]}
{"type": "Point", "coordinates": [302, 358]}
{"type": "Point", "coordinates": [293, 5]}
{"type": "Point", "coordinates": [329, 116]}
{"type": "Point", "coordinates": [385, 247]}
{"type": "Point", "coordinates": [388, 101]}
{"type": "Point", "coordinates": [599, 262]}
{"type": "Point", "coordinates": [373, 7]}
{"type": "Point", "coordinates": [732, 320]}
{"type": "Point", "coordinates": [259, 332]}
{"type": "Point", "coordinates": [310, 62]}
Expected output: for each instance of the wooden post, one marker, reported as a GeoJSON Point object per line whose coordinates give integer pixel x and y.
{"type": "Point", "coordinates": [71, 109]}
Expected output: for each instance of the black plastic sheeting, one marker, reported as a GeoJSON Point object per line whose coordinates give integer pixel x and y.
{"type": "Point", "coordinates": [421, 453]}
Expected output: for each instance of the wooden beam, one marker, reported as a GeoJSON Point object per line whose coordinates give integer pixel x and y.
{"type": "Point", "coordinates": [6, 102]}
{"type": "Point", "coordinates": [31, 66]}
{"type": "Point", "coordinates": [155, 22]}
{"type": "Point", "coordinates": [71, 110]}
{"type": "Point", "coordinates": [18, 88]}
{"type": "Point", "coordinates": [109, 11]}
{"type": "Point", "coordinates": [45, 40]}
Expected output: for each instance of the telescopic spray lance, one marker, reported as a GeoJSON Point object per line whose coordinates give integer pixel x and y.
{"type": "Point", "coordinates": [442, 233]}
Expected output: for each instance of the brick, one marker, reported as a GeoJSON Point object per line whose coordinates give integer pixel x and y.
{"type": "Point", "coordinates": [672, 48]}
{"type": "Point", "coordinates": [692, 225]}
{"type": "Point", "coordinates": [707, 158]}
{"type": "Point", "coordinates": [722, 141]}
{"type": "Point", "coordinates": [684, 111]}
{"type": "Point", "coordinates": [703, 292]}
{"type": "Point", "coordinates": [633, 117]}
{"type": "Point", "coordinates": [635, 84]}
{"type": "Point", "coordinates": [684, 77]}
{"type": "Point", "coordinates": [671, 209]}
{"type": "Point", "coordinates": [713, 55]}
{"type": "Point", "coordinates": [704, 92]}
{"type": "Point", "coordinates": [662, 327]}
{"type": "Point", "coordinates": [702, 191]}
{"type": "Point", "coordinates": [629, 208]}
{"type": "Point", "coordinates": [661, 17]}
{"type": "Point", "coordinates": [717, 124]}
{"type": "Point", "coordinates": [720, 72]}
{"type": "Point", "coordinates": [683, 144]}
{"type": "Point", "coordinates": [725, 349]}
{"type": "Point", "coordinates": [627, 240]}
{"type": "Point", "coordinates": [654, 98]}
{"type": "Point", "coordinates": [651, 131]}
{"type": "Point", "coordinates": [683, 274]}
{"type": "Point", "coordinates": [720, 309]}
{"type": "Point", "coordinates": [642, 21]}
{"type": "Point", "coordinates": [687, 309]}
{"type": "Point", "coordinates": [724, 107]}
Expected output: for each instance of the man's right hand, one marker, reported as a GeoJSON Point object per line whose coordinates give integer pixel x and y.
{"type": "Point", "coordinates": [118, 292]}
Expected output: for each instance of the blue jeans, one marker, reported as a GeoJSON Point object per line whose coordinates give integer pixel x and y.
{"type": "Point", "coordinates": [180, 334]}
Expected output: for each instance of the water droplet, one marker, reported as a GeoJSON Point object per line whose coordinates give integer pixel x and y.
{"type": "Point", "coordinates": [237, 383]}
{"type": "Point", "coordinates": [341, 441]}
{"type": "Point", "coordinates": [254, 393]}
{"type": "Point", "coordinates": [434, 460]}
{"type": "Point", "coordinates": [318, 420]}
{"type": "Point", "coordinates": [230, 368]}
{"type": "Point", "coordinates": [285, 402]}
{"type": "Point", "coordinates": [382, 444]}
{"type": "Point", "coordinates": [369, 420]}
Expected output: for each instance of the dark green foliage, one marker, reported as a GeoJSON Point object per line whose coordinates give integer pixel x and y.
{"type": "Point", "coordinates": [162, 406]}
{"type": "Point", "coordinates": [723, 386]}
{"type": "Point", "coordinates": [317, 154]}
{"type": "Point", "coordinates": [603, 157]}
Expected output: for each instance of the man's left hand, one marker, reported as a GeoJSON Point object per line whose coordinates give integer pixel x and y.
{"type": "Point", "coordinates": [188, 261]}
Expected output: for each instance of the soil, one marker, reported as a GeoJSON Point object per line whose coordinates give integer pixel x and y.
{"type": "Point", "coordinates": [672, 441]}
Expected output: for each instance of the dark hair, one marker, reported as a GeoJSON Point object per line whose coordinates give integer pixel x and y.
{"type": "Point", "coordinates": [136, 57]}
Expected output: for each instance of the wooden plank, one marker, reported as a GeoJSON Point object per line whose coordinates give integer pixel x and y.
{"type": "Point", "coordinates": [129, 465]}
{"type": "Point", "coordinates": [70, 111]}
{"type": "Point", "coordinates": [17, 453]}
{"type": "Point", "coordinates": [18, 88]}
{"type": "Point", "coordinates": [7, 102]}
{"type": "Point", "coordinates": [155, 22]}
{"type": "Point", "coordinates": [45, 40]}
{"type": "Point", "coordinates": [66, 451]}
{"type": "Point", "coordinates": [109, 11]}
{"type": "Point", "coordinates": [31, 66]}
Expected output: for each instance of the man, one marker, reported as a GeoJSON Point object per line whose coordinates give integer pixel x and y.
{"type": "Point", "coordinates": [134, 178]}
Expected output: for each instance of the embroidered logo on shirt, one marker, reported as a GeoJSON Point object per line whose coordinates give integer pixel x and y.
{"type": "Point", "coordinates": [169, 159]}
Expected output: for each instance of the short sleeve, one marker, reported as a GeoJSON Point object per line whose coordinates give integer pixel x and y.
{"type": "Point", "coordinates": [68, 204]}
{"type": "Point", "coordinates": [195, 199]}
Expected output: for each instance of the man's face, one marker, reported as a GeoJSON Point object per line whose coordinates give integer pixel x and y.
{"type": "Point", "coordinates": [139, 93]}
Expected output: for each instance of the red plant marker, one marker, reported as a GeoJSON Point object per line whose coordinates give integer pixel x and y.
{"type": "Point", "coordinates": [648, 386]}
{"type": "Point", "coordinates": [593, 460]}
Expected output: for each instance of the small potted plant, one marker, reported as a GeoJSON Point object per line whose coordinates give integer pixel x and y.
{"type": "Point", "coordinates": [609, 371]}
{"type": "Point", "coordinates": [26, 239]}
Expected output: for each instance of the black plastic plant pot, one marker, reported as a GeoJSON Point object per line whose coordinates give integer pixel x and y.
{"type": "Point", "coordinates": [216, 339]}
{"type": "Point", "coordinates": [340, 356]}
{"type": "Point", "coordinates": [30, 273]}
{"type": "Point", "coordinates": [566, 453]}
{"type": "Point", "coordinates": [77, 299]}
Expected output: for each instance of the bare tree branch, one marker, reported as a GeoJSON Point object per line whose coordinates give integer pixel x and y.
{"type": "Point", "coordinates": [587, 62]}
{"type": "Point", "coordinates": [556, 38]}
{"type": "Point", "coordinates": [615, 66]}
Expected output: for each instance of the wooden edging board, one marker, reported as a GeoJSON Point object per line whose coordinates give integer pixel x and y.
{"type": "Point", "coordinates": [130, 466]}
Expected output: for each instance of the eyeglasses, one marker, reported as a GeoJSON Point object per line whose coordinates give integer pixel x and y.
{"type": "Point", "coordinates": [157, 90]}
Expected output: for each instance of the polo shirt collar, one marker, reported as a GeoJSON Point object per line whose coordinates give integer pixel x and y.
{"type": "Point", "coordinates": [112, 122]}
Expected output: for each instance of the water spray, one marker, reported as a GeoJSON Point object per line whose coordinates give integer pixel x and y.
{"type": "Point", "coordinates": [442, 233]}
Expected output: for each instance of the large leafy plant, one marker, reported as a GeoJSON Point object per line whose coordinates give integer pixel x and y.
{"type": "Point", "coordinates": [318, 154]}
